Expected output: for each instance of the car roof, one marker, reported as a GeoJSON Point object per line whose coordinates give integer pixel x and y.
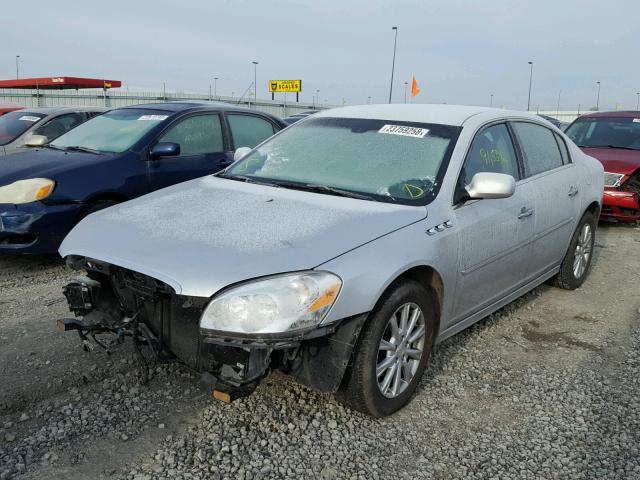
{"type": "Point", "coordinates": [63, 109]}
{"type": "Point", "coordinates": [614, 114]}
{"type": "Point", "coordinates": [187, 105]}
{"type": "Point", "coordinates": [181, 106]}
{"type": "Point", "coordinates": [423, 113]}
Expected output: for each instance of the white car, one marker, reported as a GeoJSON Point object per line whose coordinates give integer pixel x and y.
{"type": "Point", "coordinates": [341, 249]}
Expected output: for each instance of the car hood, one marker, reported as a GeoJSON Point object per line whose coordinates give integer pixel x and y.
{"type": "Point", "coordinates": [203, 235]}
{"type": "Point", "coordinates": [616, 160]}
{"type": "Point", "coordinates": [43, 163]}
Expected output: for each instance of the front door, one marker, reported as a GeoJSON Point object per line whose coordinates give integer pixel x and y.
{"type": "Point", "coordinates": [202, 151]}
{"type": "Point", "coordinates": [494, 235]}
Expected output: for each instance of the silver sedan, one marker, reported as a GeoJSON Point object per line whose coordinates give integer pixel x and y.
{"type": "Point", "coordinates": [341, 250]}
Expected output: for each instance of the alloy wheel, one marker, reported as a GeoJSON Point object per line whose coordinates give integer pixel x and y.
{"type": "Point", "coordinates": [583, 251]}
{"type": "Point", "coordinates": [400, 350]}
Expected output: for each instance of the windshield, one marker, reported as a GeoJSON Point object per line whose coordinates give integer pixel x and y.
{"type": "Point", "coordinates": [114, 131]}
{"type": "Point", "coordinates": [606, 132]}
{"type": "Point", "coordinates": [14, 124]}
{"type": "Point", "coordinates": [385, 160]}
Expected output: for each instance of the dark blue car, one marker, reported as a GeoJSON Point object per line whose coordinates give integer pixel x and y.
{"type": "Point", "coordinates": [114, 157]}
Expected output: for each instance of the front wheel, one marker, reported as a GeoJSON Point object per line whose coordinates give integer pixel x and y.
{"type": "Point", "coordinates": [392, 352]}
{"type": "Point", "coordinates": [577, 261]}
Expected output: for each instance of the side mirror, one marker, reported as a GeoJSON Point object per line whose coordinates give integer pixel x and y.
{"type": "Point", "coordinates": [165, 149]}
{"type": "Point", "coordinates": [240, 153]}
{"type": "Point", "coordinates": [36, 141]}
{"type": "Point", "coordinates": [488, 185]}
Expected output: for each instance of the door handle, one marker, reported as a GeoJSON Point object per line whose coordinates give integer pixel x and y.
{"type": "Point", "coordinates": [525, 212]}
{"type": "Point", "coordinates": [573, 191]}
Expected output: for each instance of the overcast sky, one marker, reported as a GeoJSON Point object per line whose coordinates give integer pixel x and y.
{"type": "Point", "coordinates": [460, 51]}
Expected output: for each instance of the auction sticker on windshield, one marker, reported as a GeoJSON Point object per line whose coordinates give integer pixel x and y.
{"type": "Point", "coordinates": [153, 117]}
{"type": "Point", "coordinates": [404, 131]}
{"type": "Point", "coordinates": [29, 118]}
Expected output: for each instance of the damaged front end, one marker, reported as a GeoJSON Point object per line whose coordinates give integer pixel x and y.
{"type": "Point", "coordinates": [164, 325]}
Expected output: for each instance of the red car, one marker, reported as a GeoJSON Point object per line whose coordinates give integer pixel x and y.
{"type": "Point", "coordinates": [9, 107]}
{"type": "Point", "coordinates": [614, 139]}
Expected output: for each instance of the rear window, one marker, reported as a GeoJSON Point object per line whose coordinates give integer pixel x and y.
{"type": "Point", "coordinates": [14, 124]}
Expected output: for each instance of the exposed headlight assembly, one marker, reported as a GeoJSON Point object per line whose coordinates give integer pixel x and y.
{"type": "Point", "coordinates": [612, 179]}
{"type": "Point", "coordinates": [279, 304]}
{"type": "Point", "coordinates": [26, 191]}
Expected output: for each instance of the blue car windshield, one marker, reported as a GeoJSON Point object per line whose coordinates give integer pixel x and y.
{"type": "Point", "coordinates": [14, 124]}
{"type": "Point", "coordinates": [114, 131]}
{"type": "Point", "coordinates": [382, 160]}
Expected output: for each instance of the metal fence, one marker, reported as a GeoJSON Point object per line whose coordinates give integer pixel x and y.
{"type": "Point", "coordinates": [119, 97]}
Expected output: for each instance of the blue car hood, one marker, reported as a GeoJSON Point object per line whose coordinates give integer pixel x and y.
{"type": "Point", "coordinates": [203, 235]}
{"type": "Point", "coordinates": [44, 163]}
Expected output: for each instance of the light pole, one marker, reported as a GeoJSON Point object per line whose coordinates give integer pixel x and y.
{"type": "Point", "coordinates": [638, 101]}
{"type": "Point", "coordinates": [255, 82]}
{"type": "Point", "coordinates": [17, 67]}
{"type": "Point", "coordinates": [558, 109]}
{"type": "Point", "coordinates": [530, 80]}
{"type": "Point", "coordinates": [369, 100]}
{"type": "Point", "coordinates": [318, 96]}
{"type": "Point", "coordinates": [491, 101]}
{"type": "Point", "coordinates": [406, 84]}
{"type": "Point", "coordinates": [209, 92]}
{"type": "Point", "coordinates": [598, 98]}
{"type": "Point", "coordinates": [393, 63]}
{"type": "Point", "coordinates": [215, 87]}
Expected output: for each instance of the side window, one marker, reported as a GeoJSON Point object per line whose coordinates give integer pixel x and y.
{"type": "Point", "coordinates": [540, 149]}
{"type": "Point", "coordinates": [197, 135]}
{"type": "Point", "coordinates": [59, 125]}
{"type": "Point", "coordinates": [249, 130]}
{"type": "Point", "coordinates": [564, 151]}
{"type": "Point", "coordinates": [491, 151]}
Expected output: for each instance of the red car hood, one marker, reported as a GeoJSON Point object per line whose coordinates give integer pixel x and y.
{"type": "Point", "coordinates": [616, 160]}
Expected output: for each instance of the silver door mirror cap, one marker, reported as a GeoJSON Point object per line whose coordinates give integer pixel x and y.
{"type": "Point", "coordinates": [36, 141]}
{"type": "Point", "coordinates": [486, 185]}
{"type": "Point", "coordinates": [240, 153]}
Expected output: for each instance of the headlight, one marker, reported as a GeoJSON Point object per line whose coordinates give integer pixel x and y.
{"type": "Point", "coordinates": [277, 304]}
{"type": "Point", "coordinates": [25, 191]}
{"type": "Point", "coordinates": [612, 179]}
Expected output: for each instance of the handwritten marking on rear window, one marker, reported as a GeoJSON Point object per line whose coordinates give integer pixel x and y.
{"type": "Point", "coordinates": [29, 118]}
{"type": "Point", "coordinates": [404, 130]}
{"type": "Point", "coordinates": [156, 118]}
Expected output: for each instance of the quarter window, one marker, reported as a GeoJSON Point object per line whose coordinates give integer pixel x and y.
{"type": "Point", "coordinates": [491, 151]}
{"type": "Point", "coordinates": [564, 152]}
{"type": "Point", "coordinates": [197, 135]}
{"type": "Point", "coordinates": [540, 149]}
{"type": "Point", "coordinates": [249, 130]}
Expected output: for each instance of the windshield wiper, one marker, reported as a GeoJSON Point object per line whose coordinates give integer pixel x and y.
{"type": "Point", "coordinates": [309, 187]}
{"type": "Point", "coordinates": [609, 146]}
{"type": "Point", "coordinates": [78, 148]}
{"type": "Point", "coordinates": [52, 147]}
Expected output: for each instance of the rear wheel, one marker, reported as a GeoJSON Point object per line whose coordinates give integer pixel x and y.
{"type": "Point", "coordinates": [392, 351]}
{"type": "Point", "coordinates": [577, 261]}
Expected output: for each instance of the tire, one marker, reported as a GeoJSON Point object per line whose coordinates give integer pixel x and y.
{"type": "Point", "coordinates": [574, 269]}
{"type": "Point", "coordinates": [96, 206]}
{"type": "Point", "coordinates": [362, 388]}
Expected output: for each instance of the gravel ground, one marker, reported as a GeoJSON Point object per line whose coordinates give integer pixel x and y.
{"type": "Point", "coordinates": [546, 388]}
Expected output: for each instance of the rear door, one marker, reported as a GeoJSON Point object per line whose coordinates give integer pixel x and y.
{"type": "Point", "coordinates": [552, 178]}
{"type": "Point", "coordinates": [202, 151]}
{"type": "Point", "coordinates": [249, 130]}
{"type": "Point", "coordinates": [494, 235]}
